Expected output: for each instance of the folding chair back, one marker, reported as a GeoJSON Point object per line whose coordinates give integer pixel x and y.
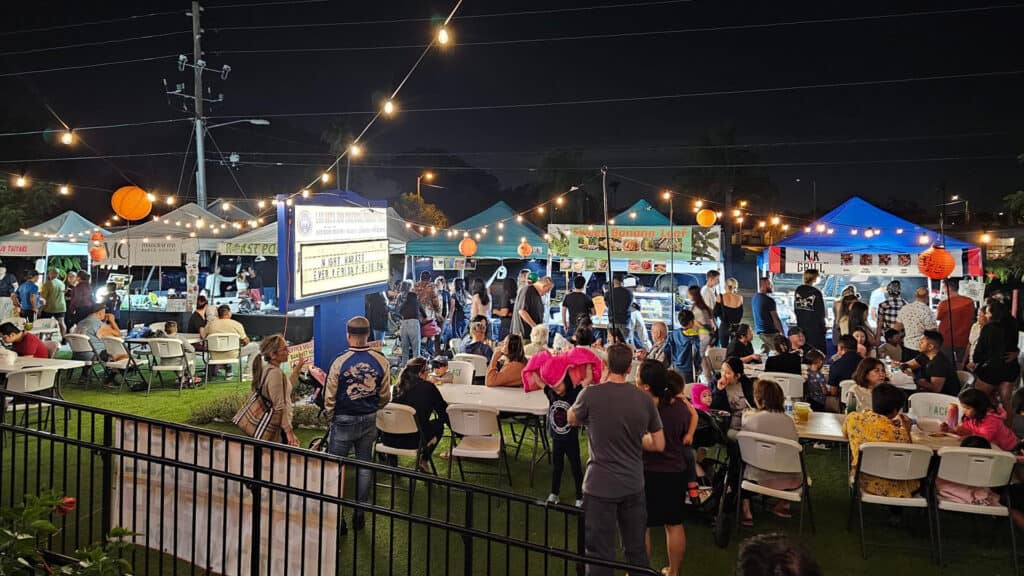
{"type": "Point", "coordinates": [966, 379]}
{"type": "Point", "coordinates": [79, 343]}
{"type": "Point", "coordinates": [930, 405]}
{"type": "Point", "coordinates": [975, 466]}
{"type": "Point", "coordinates": [397, 419]}
{"type": "Point", "coordinates": [158, 327]}
{"type": "Point", "coordinates": [16, 320]}
{"type": "Point", "coordinates": [223, 343]}
{"type": "Point", "coordinates": [770, 453]}
{"type": "Point", "coordinates": [166, 348]}
{"type": "Point", "coordinates": [462, 372]}
{"type": "Point", "coordinates": [114, 346]}
{"type": "Point", "coordinates": [844, 389]}
{"type": "Point", "coordinates": [455, 345]}
{"type": "Point", "coordinates": [792, 384]}
{"type": "Point", "coordinates": [32, 381]}
{"type": "Point", "coordinates": [479, 362]}
{"type": "Point", "coordinates": [46, 324]}
{"type": "Point", "coordinates": [895, 461]}
{"type": "Point", "coordinates": [472, 420]}
{"type": "Point", "coordinates": [716, 356]}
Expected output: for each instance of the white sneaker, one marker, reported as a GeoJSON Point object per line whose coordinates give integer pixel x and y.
{"type": "Point", "coordinates": [579, 503]}
{"type": "Point", "coordinates": [552, 499]}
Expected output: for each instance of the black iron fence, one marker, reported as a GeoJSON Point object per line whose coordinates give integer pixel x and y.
{"type": "Point", "coordinates": [202, 501]}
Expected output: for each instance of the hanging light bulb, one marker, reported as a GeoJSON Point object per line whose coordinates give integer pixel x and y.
{"type": "Point", "coordinates": [501, 225]}
{"type": "Point", "coordinates": [150, 196]}
{"type": "Point", "coordinates": [408, 225]}
{"type": "Point", "coordinates": [433, 230]}
{"type": "Point", "coordinates": [699, 203]}
{"type": "Point", "coordinates": [443, 36]}
{"type": "Point", "coordinates": [807, 229]}
{"type": "Point", "coordinates": [776, 220]}
{"type": "Point", "coordinates": [718, 214]}
{"type": "Point", "coordinates": [540, 209]}
{"type": "Point", "coordinates": [736, 213]}
{"type": "Point", "coordinates": [355, 150]}
{"type": "Point", "coordinates": [389, 107]}
{"type": "Point", "coordinates": [305, 192]}
{"type": "Point", "coordinates": [590, 226]}
{"type": "Point", "coordinates": [853, 232]}
{"type": "Point", "coordinates": [611, 221]}
{"type": "Point", "coordinates": [868, 233]}
{"type": "Point", "coordinates": [170, 200]}
{"type": "Point", "coordinates": [899, 230]}
{"type": "Point", "coordinates": [739, 220]}
{"type": "Point", "coordinates": [288, 202]}
{"type": "Point", "coordinates": [477, 235]}
{"type": "Point", "coordinates": [501, 238]}
{"type": "Point", "coordinates": [559, 200]}
{"type": "Point", "coordinates": [820, 227]}
{"type": "Point", "coordinates": [632, 215]}
{"type": "Point", "coordinates": [65, 190]}
{"type": "Point", "coordinates": [21, 181]}
{"type": "Point", "coordinates": [225, 206]}
{"type": "Point", "coordinates": [325, 177]}
{"type": "Point", "coordinates": [924, 239]}
{"type": "Point", "coordinates": [67, 138]}
{"type": "Point", "coordinates": [156, 218]}
{"type": "Point", "coordinates": [261, 204]}
{"type": "Point", "coordinates": [519, 218]}
{"type": "Point", "coordinates": [422, 228]}
{"type": "Point", "coordinates": [785, 227]}
{"type": "Point", "coordinates": [831, 230]}
{"type": "Point", "coordinates": [762, 224]}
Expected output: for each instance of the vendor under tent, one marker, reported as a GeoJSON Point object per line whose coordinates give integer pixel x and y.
{"type": "Point", "coordinates": [64, 235]}
{"type": "Point", "coordinates": [497, 244]}
{"type": "Point", "coordinates": [190, 227]}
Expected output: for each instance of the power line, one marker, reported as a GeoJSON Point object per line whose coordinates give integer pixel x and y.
{"type": "Point", "coordinates": [97, 43]}
{"type": "Point", "coordinates": [846, 84]}
{"type": "Point", "coordinates": [93, 23]}
{"type": "Point", "coordinates": [616, 35]}
{"type": "Point", "coordinates": [469, 17]}
{"type": "Point", "coordinates": [98, 127]}
{"type": "Point", "coordinates": [262, 4]}
{"type": "Point", "coordinates": [85, 66]}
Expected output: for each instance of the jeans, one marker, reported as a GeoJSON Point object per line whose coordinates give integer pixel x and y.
{"type": "Point", "coordinates": [602, 515]}
{"type": "Point", "coordinates": [409, 339]}
{"type": "Point", "coordinates": [378, 335]}
{"type": "Point", "coordinates": [568, 447]}
{"type": "Point", "coordinates": [357, 432]}
{"type": "Point", "coordinates": [459, 325]}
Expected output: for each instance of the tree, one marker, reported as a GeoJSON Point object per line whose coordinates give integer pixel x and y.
{"type": "Point", "coordinates": [414, 209]}
{"type": "Point", "coordinates": [22, 208]}
{"type": "Point", "coordinates": [1015, 205]}
{"type": "Point", "coordinates": [723, 165]}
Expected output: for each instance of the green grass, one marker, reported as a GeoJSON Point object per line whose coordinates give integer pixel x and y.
{"type": "Point", "coordinates": [836, 548]}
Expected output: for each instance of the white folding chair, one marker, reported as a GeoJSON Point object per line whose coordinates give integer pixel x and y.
{"type": "Point", "coordinates": [979, 468]}
{"type": "Point", "coordinates": [462, 371]}
{"type": "Point", "coordinates": [397, 418]}
{"type": "Point", "coordinates": [716, 356]}
{"type": "Point", "coordinates": [966, 379]}
{"type": "Point", "coordinates": [844, 389]}
{"type": "Point", "coordinates": [80, 344]}
{"type": "Point", "coordinates": [52, 346]}
{"type": "Point", "coordinates": [32, 381]}
{"type": "Point", "coordinates": [930, 404]}
{"type": "Point", "coordinates": [891, 461]}
{"type": "Point", "coordinates": [792, 384]}
{"type": "Point", "coordinates": [479, 363]}
{"type": "Point", "coordinates": [169, 356]}
{"type": "Point", "coordinates": [455, 345]}
{"type": "Point", "coordinates": [16, 320]}
{"type": "Point", "coordinates": [127, 366]}
{"type": "Point", "coordinates": [774, 454]}
{"type": "Point", "coordinates": [223, 343]}
{"type": "Point", "coordinates": [476, 434]}
{"type": "Point", "coordinates": [43, 324]}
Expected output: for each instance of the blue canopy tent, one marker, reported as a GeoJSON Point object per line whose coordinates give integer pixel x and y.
{"type": "Point", "coordinates": [498, 243]}
{"type": "Point", "coordinates": [641, 214]}
{"type": "Point", "coordinates": [864, 239]}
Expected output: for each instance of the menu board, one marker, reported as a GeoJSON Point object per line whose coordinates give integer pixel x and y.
{"type": "Point", "coordinates": [335, 266]}
{"type": "Point", "coordinates": [644, 245]}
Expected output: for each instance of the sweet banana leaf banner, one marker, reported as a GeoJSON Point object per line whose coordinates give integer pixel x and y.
{"type": "Point", "coordinates": [692, 243]}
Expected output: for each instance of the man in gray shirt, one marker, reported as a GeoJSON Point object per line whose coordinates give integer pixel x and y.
{"type": "Point", "coordinates": [622, 421]}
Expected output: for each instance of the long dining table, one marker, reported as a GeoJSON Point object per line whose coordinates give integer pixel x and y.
{"type": "Point", "coordinates": [828, 427]}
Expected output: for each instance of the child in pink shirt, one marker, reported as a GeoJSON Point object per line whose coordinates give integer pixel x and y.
{"type": "Point", "coordinates": [980, 418]}
{"type": "Point", "coordinates": [700, 397]}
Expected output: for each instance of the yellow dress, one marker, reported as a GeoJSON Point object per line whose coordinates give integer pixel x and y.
{"type": "Point", "coordinates": [863, 427]}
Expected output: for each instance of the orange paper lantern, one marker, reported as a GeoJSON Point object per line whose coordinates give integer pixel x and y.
{"type": "Point", "coordinates": [467, 247]}
{"type": "Point", "coordinates": [936, 263]}
{"type": "Point", "coordinates": [706, 218]}
{"type": "Point", "coordinates": [525, 250]}
{"type": "Point", "coordinates": [131, 203]}
{"type": "Point", "coordinates": [96, 237]}
{"type": "Point", "coordinates": [98, 253]}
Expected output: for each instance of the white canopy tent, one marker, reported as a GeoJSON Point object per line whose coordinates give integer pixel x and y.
{"type": "Point", "coordinates": [64, 235]}
{"type": "Point", "coordinates": [161, 242]}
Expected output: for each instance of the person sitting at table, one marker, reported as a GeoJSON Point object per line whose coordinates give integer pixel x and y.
{"type": "Point", "coordinates": [981, 418]}
{"type": "Point", "coordinates": [171, 331]}
{"type": "Point", "coordinates": [948, 491]}
{"type": "Point", "coordinates": [893, 348]}
{"type": "Point", "coordinates": [23, 343]}
{"type": "Point", "coordinates": [864, 346]}
{"type": "Point", "coordinates": [225, 325]}
{"type": "Point", "coordinates": [740, 345]}
{"type": "Point", "coordinates": [204, 314]}
{"type": "Point", "coordinates": [415, 391]}
{"type": "Point", "coordinates": [506, 366]}
{"type": "Point", "coordinates": [96, 324]}
{"type": "Point", "coordinates": [733, 392]}
{"type": "Point", "coordinates": [935, 371]}
{"type": "Point", "coordinates": [615, 336]}
{"type": "Point", "coordinates": [478, 345]}
{"type": "Point", "coordinates": [843, 367]}
{"type": "Point", "coordinates": [869, 374]}
{"type": "Point", "coordinates": [817, 392]}
{"type": "Point", "coordinates": [538, 340]}
{"type": "Point", "coordinates": [784, 359]}
{"type": "Point", "coordinates": [883, 423]}
{"type": "Point", "coordinates": [659, 351]}
{"type": "Point", "coordinates": [771, 419]}
{"type": "Point", "coordinates": [584, 339]}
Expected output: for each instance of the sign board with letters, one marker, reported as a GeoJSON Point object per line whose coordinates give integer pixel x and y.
{"type": "Point", "coordinates": [338, 248]}
{"type": "Point", "coordinates": [148, 251]}
{"type": "Point", "coordinates": [229, 248]}
{"type": "Point", "coordinates": [783, 260]}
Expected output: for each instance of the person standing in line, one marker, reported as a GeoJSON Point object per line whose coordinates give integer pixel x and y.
{"type": "Point", "coordinates": [766, 316]}
{"type": "Point", "coordinates": [8, 282]}
{"type": "Point", "coordinates": [504, 297]}
{"type": "Point", "coordinates": [955, 316]}
{"type": "Point", "coordinates": [269, 380]}
{"type": "Point", "coordinates": [255, 287]}
{"type": "Point", "coordinates": [358, 383]}
{"type": "Point", "coordinates": [620, 302]}
{"type": "Point", "coordinates": [81, 297]}
{"type": "Point", "coordinates": [915, 318]}
{"type": "Point", "coordinates": [28, 295]}
{"type": "Point", "coordinates": [54, 305]}
{"type": "Point", "coordinates": [729, 311]}
{"type": "Point", "coordinates": [622, 422]}
{"type": "Point", "coordinates": [809, 307]}
{"type": "Point", "coordinates": [412, 315]}
{"type": "Point", "coordinates": [878, 296]}
{"type": "Point", "coordinates": [445, 297]}
{"type": "Point", "coordinates": [709, 294]}
{"type": "Point", "coordinates": [889, 309]}
{"type": "Point", "coordinates": [459, 308]}
{"type": "Point", "coordinates": [529, 307]}
{"type": "Point", "coordinates": [575, 305]}
{"type": "Point", "coordinates": [375, 305]}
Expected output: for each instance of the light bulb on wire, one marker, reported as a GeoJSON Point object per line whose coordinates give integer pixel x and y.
{"type": "Point", "coordinates": [170, 200]}
{"type": "Point", "coordinates": [65, 190]}
{"type": "Point", "coordinates": [21, 181]}
{"type": "Point", "coordinates": [325, 177]}
{"type": "Point", "coordinates": [443, 36]}
{"type": "Point", "coordinates": [67, 138]}
{"type": "Point", "coordinates": [389, 107]}
{"type": "Point", "coordinates": [355, 150]}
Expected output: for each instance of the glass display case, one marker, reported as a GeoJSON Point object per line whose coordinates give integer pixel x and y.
{"type": "Point", "coordinates": [656, 306]}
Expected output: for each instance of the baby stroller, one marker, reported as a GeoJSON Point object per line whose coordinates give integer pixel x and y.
{"type": "Point", "coordinates": [716, 475]}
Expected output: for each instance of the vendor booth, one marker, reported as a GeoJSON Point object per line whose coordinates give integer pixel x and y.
{"type": "Point", "coordinates": [497, 244]}
{"type": "Point", "coordinates": [862, 245]}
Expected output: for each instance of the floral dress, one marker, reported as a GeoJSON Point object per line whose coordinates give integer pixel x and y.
{"type": "Point", "coordinates": [863, 427]}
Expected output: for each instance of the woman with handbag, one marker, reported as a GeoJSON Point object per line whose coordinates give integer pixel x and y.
{"type": "Point", "coordinates": [267, 415]}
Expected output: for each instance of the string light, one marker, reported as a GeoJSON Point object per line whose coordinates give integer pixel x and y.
{"type": "Point", "coordinates": [422, 229]}
{"type": "Point", "coordinates": [65, 190]}
{"type": "Point", "coordinates": [785, 227]}
{"type": "Point", "coordinates": [288, 202]}
{"type": "Point", "coordinates": [261, 204]}
{"type": "Point", "coordinates": [150, 196]}
{"type": "Point", "coordinates": [408, 224]}
{"type": "Point", "coordinates": [540, 209]}
{"type": "Point", "coordinates": [775, 220]}
{"type": "Point", "coordinates": [156, 218]}
{"type": "Point", "coordinates": [325, 177]}
{"type": "Point", "coordinates": [820, 228]}
{"type": "Point", "coordinates": [743, 203]}
{"type": "Point", "coordinates": [807, 229]}
{"type": "Point", "coordinates": [170, 200]}
{"type": "Point", "coordinates": [762, 224]}
{"type": "Point", "coordinates": [522, 239]}
{"type": "Point", "coordinates": [986, 238]}
{"type": "Point", "coordinates": [389, 107]}
{"type": "Point", "coordinates": [519, 218]}
{"type": "Point", "coordinates": [853, 232]}
{"type": "Point", "coordinates": [739, 220]}
{"type": "Point", "coordinates": [443, 36]}
{"type": "Point", "coordinates": [477, 235]}
{"type": "Point", "coordinates": [305, 192]}
{"type": "Point", "coordinates": [736, 213]}
{"type": "Point", "coordinates": [590, 227]}
{"type": "Point", "coordinates": [924, 239]}
{"type": "Point", "coordinates": [831, 230]}
{"type": "Point", "coordinates": [868, 233]}
{"type": "Point", "coordinates": [632, 215]}
{"type": "Point", "coordinates": [67, 138]}
{"type": "Point", "coordinates": [547, 237]}
{"type": "Point", "coordinates": [899, 230]}
{"type": "Point", "coordinates": [355, 150]}
{"type": "Point", "coordinates": [225, 206]}
{"type": "Point", "coordinates": [718, 214]}
{"type": "Point", "coordinates": [559, 201]}
{"type": "Point", "coordinates": [666, 195]}
{"type": "Point", "coordinates": [699, 203]}
{"type": "Point", "coordinates": [611, 221]}
{"type": "Point", "coordinates": [21, 181]}
{"type": "Point", "coordinates": [501, 225]}
{"type": "Point", "coordinates": [501, 238]}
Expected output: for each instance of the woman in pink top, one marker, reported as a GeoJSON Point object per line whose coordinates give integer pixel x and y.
{"type": "Point", "coordinates": [982, 419]}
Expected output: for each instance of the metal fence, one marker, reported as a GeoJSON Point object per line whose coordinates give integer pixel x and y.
{"type": "Point", "coordinates": [202, 501]}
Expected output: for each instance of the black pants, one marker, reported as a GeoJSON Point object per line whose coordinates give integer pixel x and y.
{"type": "Point", "coordinates": [569, 447]}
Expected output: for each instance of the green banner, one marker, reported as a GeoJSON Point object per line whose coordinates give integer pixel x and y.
{"type": "Point", "coordinates": [636, 242]}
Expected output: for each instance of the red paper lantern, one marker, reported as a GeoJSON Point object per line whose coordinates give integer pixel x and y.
{"type": "Point", "coordinates": [98, 253]}
{"type": "Point", "coordinates": [97, 236]}
{"type": "Point", "coordinates": [706, 218]}
{"type": "Point", "coordinates": [131, 203]}
{"type": "Point", "coordinates": [525, 250]}
{"type": "Point", "coordinates": [936, 263]}
{"type": "Point", "coordinates": [467, 247]}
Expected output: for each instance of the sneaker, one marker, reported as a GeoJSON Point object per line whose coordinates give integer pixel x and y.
{"type": "Point", "coordinates": [821, 446]}
{"type": "Point", "coordinates": [579, 503]}
{"type": "Point", "coordinates": [552, 498]}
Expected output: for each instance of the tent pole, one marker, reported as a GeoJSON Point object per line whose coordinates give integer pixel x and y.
{"type": "Point", "coordinates": [608, 247]}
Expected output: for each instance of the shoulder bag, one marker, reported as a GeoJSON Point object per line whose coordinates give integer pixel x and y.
{"type": "Point", "coordinates": [256, 416]}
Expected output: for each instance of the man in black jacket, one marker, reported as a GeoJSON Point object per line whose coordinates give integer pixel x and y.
{"type": "Point", "coordinates": [376, 306]}
{"type": "Point", "coordinates": [846, 364]}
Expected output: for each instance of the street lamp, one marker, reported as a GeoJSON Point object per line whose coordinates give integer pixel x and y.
{"type": "Point", "coordinates": [670, 196]}
{"type": "Point", "coordinates": [428, 176]}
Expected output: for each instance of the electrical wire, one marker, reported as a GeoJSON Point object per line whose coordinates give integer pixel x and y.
{"type": "Point", "coordinates": [223, 162]}
{"type": "Point", "coordinates": [262, 4]}
{"type": "Point", "coordinates": [97, 43]}
{"type": "Point", "coordinates": [627, 99]}
{"type": "Point", "coordinates": [184, 162]}
{"type": "Point", "coordinates": [617, 35]}
{"type": "Point", "coordinates": [462, 17]}
{"type": "Point", "coordinates": [98, 127]}
{"type": "Point", "coordinates": [87, 66]}
{"type": "Point", "coordinates": [93, 23]}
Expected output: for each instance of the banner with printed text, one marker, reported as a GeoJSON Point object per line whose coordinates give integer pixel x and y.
{"type": "Point", "coordinates": [784, 260]}
{"type": "Point", "coordinates": [636, 243]}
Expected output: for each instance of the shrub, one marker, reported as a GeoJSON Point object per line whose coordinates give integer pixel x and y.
{"type": "Point", "coordinates": [221, 409]}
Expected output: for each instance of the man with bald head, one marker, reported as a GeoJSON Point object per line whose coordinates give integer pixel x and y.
{"type": "Point", "coordinates": [358, 383]}
{"type": "Point", "coordinates": [915, 318]}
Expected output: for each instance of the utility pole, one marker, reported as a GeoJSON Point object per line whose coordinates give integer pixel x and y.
{"type": "Point", "coordinates": [197, 70]}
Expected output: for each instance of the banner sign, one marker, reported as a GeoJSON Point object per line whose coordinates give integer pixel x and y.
{"type": "Point", "coordinates": [230, 248]}
{"type": "Point", "coordinates": [636, 243]}
{"type": "Point", "coordinates": [299, 352]}
{"type": "Point", "coordinates": [336, 266]}
{"type": "Point", "coordinates": [339, 224]}
{"type": "Point", "coordinates": [217, 512]}
{"type": "Point", "coordinates": [783, 260]}
{"type": "Point", "coordinates": [23, 248]}
{"type": "Point", "coordinates": [144, 252]}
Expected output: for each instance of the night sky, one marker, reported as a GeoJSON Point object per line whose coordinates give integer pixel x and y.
{"type": "Point", "coordinates": [973, 123]}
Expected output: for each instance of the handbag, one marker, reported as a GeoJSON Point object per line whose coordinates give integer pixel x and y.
{"type": "Point", "coordinates": [429, 329]}
{"type": "Point", "coordinates": [256, 416]}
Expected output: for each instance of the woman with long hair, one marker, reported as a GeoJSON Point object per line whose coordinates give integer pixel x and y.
{"type": "Point", "coordinates": [770, 419]}
{"type": "Point", "coordinates": [459, 308]}
{"type": "Point", "coordinates": [507, 363]}
{"type": "Point", "coordinates": [841, 310]}
{"type": "Point", "coordinates": [704, 322]}
{"type": "Point", "coordinates": [733, 392]}
{"type": "Point", "coordinates": [729, 311]}
{"type": "Point", "coordinates": [994, 374]}
{"type": "Point", "coordinates": [415, 391]}
{"type": "Point", "coordinates": [858, 320]}
{"type": "Point", "coordinates": [869, 374]}
{"type": "Point", "coordinates": [741, 346]}
{"type": "Point", "coordinates": [481, 300]}
{"type": "Point", "coordinates": [269, 380]}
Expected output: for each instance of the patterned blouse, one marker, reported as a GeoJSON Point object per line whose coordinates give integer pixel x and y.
{"type": "Point", "coordinates": [863, 427]}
